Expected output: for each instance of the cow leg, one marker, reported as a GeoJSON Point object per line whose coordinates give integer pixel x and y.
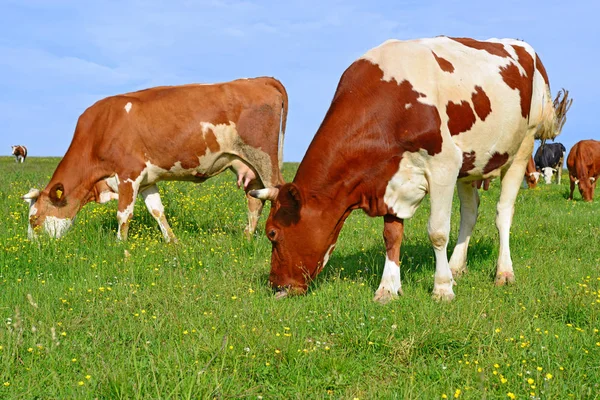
{"type": "Point", "coordinates": [511, 182]}
{"type": "Point", "coordinates": [469, 204]}
{"type": "Point", "coordinates": [128, 190]}
{"type": "Point", "coordinates": [572, 186]}
{"type": "Point", "coordinates": [255, 207]}
{"type": "Point", "coordinates": [441, 192]}
{"type": "Point", "coordinates": [151, 197]}
{"type": "Point", "coordinates": [390, 285]}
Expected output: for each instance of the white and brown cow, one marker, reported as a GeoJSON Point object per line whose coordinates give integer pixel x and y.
{"type": "Point", "coordinates": [583, 163]}
{"type": "Point", "coordinates": [532, 176]}
{"type": "Point", "coordinates": [20, 152]}
{"type": "Point", "coordinates": [410, 118]}
{"type": "Point", "coordinates": [124, 144]}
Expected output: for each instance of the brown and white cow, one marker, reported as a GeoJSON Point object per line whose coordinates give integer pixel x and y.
{"type": "Point", "coordinates": [583, 163]}
{"type": "Point", "coordinates": [20, 152]}
{"type": "Point", "coordinates": [124, 144]}
{"type": "Point", "coordinates": [532, 176]}
{"type": "Point", "coordinates": [410, 118]}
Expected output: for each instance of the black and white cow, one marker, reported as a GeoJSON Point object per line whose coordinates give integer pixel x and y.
{"type": "Point", "coordinates": [549, 159]}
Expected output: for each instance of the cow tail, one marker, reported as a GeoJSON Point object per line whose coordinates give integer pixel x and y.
{"type": "Point", "coordinates": [553, 113]}
{"type": "Point", "coordinates": [283, 119]}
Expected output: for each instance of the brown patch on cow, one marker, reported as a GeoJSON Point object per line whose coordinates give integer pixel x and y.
{"type": "Point", "coordinates": [467, 164]}
{"type": "Point", "coordinates": [211, 141]}
{"type": "Point", "coordinates": [524, 84]}
{"type": "Point", "coordinates": [444, 64]}
{"type": "Point", "coordinates": [540, 68]}
{"type": "Point", "coordinates": [481, 103]}
{"type": "Point", "coordinates": [496, 49]}
{"type": "Point", "coordinates": [460, 117]}
{"type": "Point", "coordinates": [496, 161]}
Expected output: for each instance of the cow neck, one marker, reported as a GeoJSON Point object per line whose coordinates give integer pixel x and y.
{"type": "Point", "coordinates": [346, 167]}
{"type": "Point", "coordinates": [78, 176]}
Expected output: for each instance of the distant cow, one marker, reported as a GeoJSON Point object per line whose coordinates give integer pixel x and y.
{"type": "Point", "coordinates": [410, 118]}
{"type": "Point", "coordinates": [549, 159]}
{"type": "Point", "coordinates": [532, 176]}
{"type": "Point", "coordinates": [20, 152]}
{"type": "Point", "coordinates": [584, 168]}
{"type": "Point", "coordinates": [124, 144]}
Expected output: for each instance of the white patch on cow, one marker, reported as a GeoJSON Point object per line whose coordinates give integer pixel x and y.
{"type": "Point", "coordinates": [390, 279]}
{"type": "Point", "coordinates": [328, 254]}
{"type": "Point", "coordinates": [407, 188]}
{"type": "Point", "coordinates": [408, 105]}
{"type": "Point", "coordinates": [32, 211]}
{"type": "Point", "coordinates": [592, 179]}
{"type": "Point", "coordinates": [105, 197]}
{"type": "Point", "coordinates": [57, 227]}
{"type": "Point", "coordinates": [548, 172]}
{"type": "Point", "coordinates": [128, 107]}
{"type": "Point", "coordinates": [536, 175]}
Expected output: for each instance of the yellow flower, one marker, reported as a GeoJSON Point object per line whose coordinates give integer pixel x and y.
{"type": "Point", "coordinates": [88, 377]}
{"type": "Point", "coordinates": [444, 396]}
{"type": "Point", "coordinates": [539, 368]}
{"type": "Point", "coordinates": [277, 351]}
{"type": "Point", "coordinates": [498, 330]}
{"type": "Point", "coordinates": [548, 376]}
{"type": "Point", "coordinates": [503, 380]}
{"type": "Point", "coordinates": [6, 383]}
{"type": "Point", "coordinates": [530, 381]}
{"type": "Point", "coordinates": [185, 332]}
{"type": "Point", "coordinates": [80, 383]}
{"type": "Point", "coordinates": [511, 395]}
{"type": "Point", "coordinates": [457, 393]}
{"type": "Point", "coordinates": [496, 366]}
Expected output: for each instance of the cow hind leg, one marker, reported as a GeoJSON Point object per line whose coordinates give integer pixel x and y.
{"type": "Point", "coordinates": [151, 197]}
{"type": "Point", "coordinates": [255, 207]}
{"type": "Point", "coordinates": [390, 285]}
{"type": "Point", "coordinates": [127, 194]}
{"type": "Point", "coordinates": [469, 204]}
{"type": "Point", "coordinates": [572, 186]}
{"type": "Point", "coordinates": [511, 182]}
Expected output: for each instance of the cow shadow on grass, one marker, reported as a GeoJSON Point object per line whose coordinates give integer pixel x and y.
{"type": "Point", "coordinates": [417, 263]}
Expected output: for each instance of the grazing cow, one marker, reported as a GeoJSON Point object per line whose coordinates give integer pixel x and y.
{"type": "Point", "coordinates": [549, 159]}
{"type": "Point", "coordinates": [584, 168]}
{"type": "Point", "coordinates": [20, 152]}
{"type": "Point", "coordinates": [410, 118]}
{"type": "Point", "coordinates": [532, 176]}
{"type": "Point", "coordinates": [124, 144]}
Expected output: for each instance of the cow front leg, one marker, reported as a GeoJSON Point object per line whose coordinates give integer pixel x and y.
{"type": "Point", "coordinates": [469, 204]}
{"type": "Point", "coordinates": [154, 205]}
{"type": "Point", "coordinates": [439, 230]}
{"type": "Point", "coordinates": [572, 186]}
{"type": "Point", "coordinates": [255, 207]}
{"type": "Point", "coordinates": [127, 193]}
{"type": "Point", "coordinates": [391, 286]}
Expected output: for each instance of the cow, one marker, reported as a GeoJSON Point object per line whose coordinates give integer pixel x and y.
{"type": "Point", "coordinates": [410, 118]}
{"type": "Point", "coordinates": [123, 145]}
{"type": "Point", "coordinates": [549, 159]}
{"type": "Point", "coordinates": [583, 163]}
{"type": "Point", "coordinates": [532, 176]}
{"type": "Point", "coordinates": [20, 152]}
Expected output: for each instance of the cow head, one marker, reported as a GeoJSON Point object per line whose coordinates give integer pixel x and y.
{"type": "Point", "coordinates": [548, 172]}
{"type": "Point", "coordinates": [586, 188]}
{"type": "Point", "coordinates": [532, 179]}
{"type": "Point", "coordinates": [302, 238]}
{"type": "Point", "coordinates": [50, 209]}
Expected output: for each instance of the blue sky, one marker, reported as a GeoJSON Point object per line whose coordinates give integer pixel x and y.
{"type": "Point", "coordinates": [59, 57]}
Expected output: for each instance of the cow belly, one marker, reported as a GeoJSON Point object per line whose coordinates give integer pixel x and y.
{"type": "Point", "coordinates": [407, 188]}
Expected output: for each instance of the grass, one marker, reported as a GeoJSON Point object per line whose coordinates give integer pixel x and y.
{"type": "Point", "coordinates": [79, 319]}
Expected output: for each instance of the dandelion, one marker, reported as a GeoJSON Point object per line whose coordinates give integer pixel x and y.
{"type": "Point", "coordinates": [185, 332]}
{"type": "Point", "coordinates": [444, 396]}
{"type": "Point", "coordinates": [498, 330]}
{"type": "Point", "coordinates": [457, 393]}
{"type": "Point", "coordinates": [548, 376]}
{"type": "Point", "coordinates": [530, 381]}
{"type": "Point", "coordinates": [88, 377]}
{"type": "Point", "coordinates": [80, 383]}
{"type": "Point", "coordinates": [539, 369]}
{"type": "Point", "coordinates": [277, 351]}
{"type": "Point", "coordinates": [511, 395]}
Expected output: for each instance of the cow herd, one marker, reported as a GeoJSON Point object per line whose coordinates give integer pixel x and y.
{"type": "Point", "coordinates": [408, 118]}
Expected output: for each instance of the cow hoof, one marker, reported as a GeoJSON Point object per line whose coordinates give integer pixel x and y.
{"type": "Point", "coordinates": [504, 278]}
{"type": "Point", "coordinates": [384, 296]}
{"type": "Point", "coordinates": [443, 294]}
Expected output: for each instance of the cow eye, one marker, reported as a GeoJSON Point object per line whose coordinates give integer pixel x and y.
{"type": "Point", "coordinates": [272, 234]}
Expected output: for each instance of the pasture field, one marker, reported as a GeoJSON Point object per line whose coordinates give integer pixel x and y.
{"type": "Point", "coordinates": [197, 320]}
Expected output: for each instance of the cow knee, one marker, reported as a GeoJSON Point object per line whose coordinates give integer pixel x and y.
{"type": "Point", "coordinates": [439, 239]}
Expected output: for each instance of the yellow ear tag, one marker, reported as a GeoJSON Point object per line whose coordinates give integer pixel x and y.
{"type": "Point", "coordinates": [59, 193]}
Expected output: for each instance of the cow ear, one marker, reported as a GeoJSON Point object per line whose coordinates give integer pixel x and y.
{"type": "Point", "coordinates": [57, 195]}
{"type": "Point", "coordinates": [290, 203]}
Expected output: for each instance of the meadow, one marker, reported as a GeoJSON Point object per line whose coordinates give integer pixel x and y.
{"type": "Point", "coordinates": [80, 319]}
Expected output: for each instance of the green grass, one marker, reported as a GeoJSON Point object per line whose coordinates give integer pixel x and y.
{"type": "Point", "coordinates": [78, 319]}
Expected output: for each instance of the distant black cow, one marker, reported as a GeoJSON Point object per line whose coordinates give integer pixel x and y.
{"type": "Point", "coordinates": [549, 159]}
